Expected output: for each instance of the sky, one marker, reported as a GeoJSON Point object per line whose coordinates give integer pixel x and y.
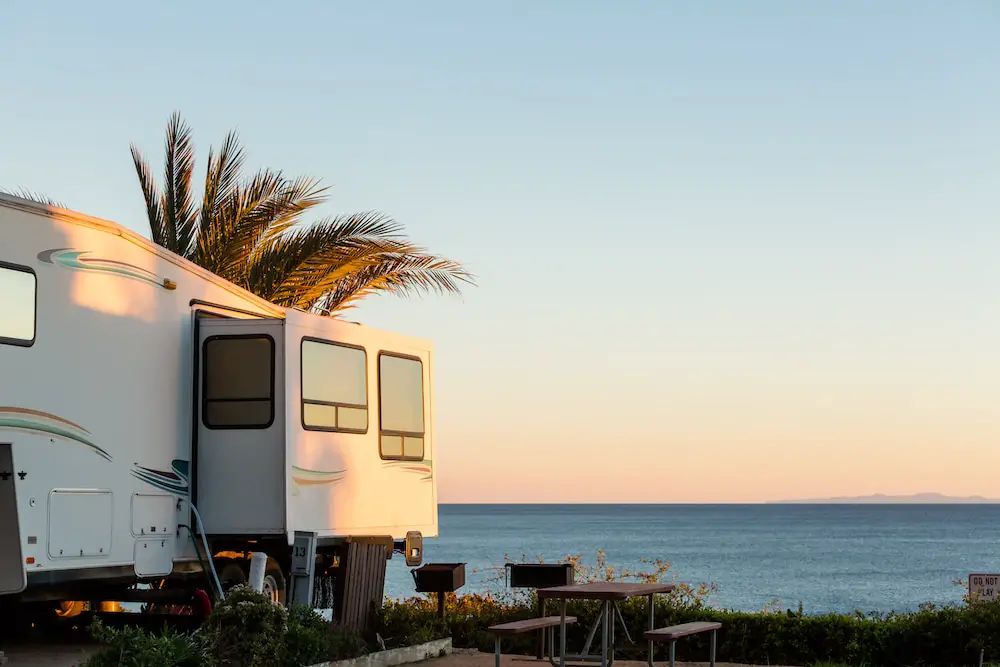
{"type": "Point", "coordinates": [726, 251]}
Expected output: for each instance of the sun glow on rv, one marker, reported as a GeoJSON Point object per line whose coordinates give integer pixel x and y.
{"type": "Point", "coordinates": [113, 296]}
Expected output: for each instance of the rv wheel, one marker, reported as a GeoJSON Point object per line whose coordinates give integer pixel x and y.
{"type": "Point", "coordinates": [230, 574]}
{"type": "Point", "coordinates": [12, 617]}
{"type": "Point", "coordinates": [274, 582]}
{"type": "Point", "coordinates": [70, 608]}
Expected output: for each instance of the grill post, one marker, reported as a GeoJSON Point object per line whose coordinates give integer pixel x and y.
{"type": "Point", "coordinates": [604, 631]}
{"type": "Point", "coordinates": [541, 634]}
{"type": "Point", "coordinates": [439, 578]}
{"type": "Point", "coordinates": [652, 626]}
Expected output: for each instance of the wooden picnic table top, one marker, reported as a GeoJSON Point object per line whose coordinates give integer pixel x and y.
{"type": "Point", "coordinates": [604, 590]}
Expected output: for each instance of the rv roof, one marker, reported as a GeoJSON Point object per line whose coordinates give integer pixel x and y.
{"type": "Point", "coordinates": [108, 227]}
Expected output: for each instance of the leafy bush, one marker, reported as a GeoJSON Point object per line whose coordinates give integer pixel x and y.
{"type": "Point", "coordinates": [409, 624]}
{"type": "Point", "coordinates": [247, 629]}
{"type": "Point", "coordinates": [244, 630]}
{"type": "Point", "coordinates": [309, 639]}
{"type": "Point", "coordinates": [132, 647]}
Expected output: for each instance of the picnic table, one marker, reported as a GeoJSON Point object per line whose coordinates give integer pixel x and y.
{"type": "Point", "coordinates": [609, 594]}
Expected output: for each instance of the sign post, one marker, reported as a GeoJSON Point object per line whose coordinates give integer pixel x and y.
{"type": "Point", "coordinates": [303, 570]}
{"type": "Point", "coordinates": [984, 587]}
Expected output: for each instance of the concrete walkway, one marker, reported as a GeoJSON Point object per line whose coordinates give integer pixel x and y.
{"type": "Point", "coordinates": [472, 658]}
{"type": "Point", "coordinates": [73, 656]}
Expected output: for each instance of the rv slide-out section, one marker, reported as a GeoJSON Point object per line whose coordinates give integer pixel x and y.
{"type": "Point", "coordinates": [306, 424]}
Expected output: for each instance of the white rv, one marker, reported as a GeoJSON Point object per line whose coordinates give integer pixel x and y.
{"type": "Point", "coordinates": [150, 409]}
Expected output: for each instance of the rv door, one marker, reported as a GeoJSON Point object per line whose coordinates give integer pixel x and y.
{"type": "Point", "coordinates": [240, 461]}
{"type": "Point", "coordinates": [12, 578]}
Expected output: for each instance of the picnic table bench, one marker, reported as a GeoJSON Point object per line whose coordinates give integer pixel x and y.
{"type": "Point", "coordinates": [674, 632]}
{"type": "Point", "coordinates": [608, 593]}
{"type": "Point", "coordinates": [528, 625]}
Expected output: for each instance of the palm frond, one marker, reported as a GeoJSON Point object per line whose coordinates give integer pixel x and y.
{"type": "Point", "coordinates": [236, 224]}
{"type": "Point", "coordinates": [267, 217]}
{"type": "Point", "coordinates": [151, 194]}
{"type": "Point", "coordinates": [400, 274]}
{"type": "Point", "coordinates": [178, 205]}
{"type": "Point", "coordinates": [261, 211]}
{"type": "Point", "coordinates": [221, 183]}
{"type": "Point", "coordinates": [37, 197]}
{"type": "Point", "coordinates": [286, 209]}
{"type": "Point", "coordinates": [223, 173]}
{"type": "Point", "coordinates": [330, 265]}
{"type": "Point", "coordinates": [296, 265]}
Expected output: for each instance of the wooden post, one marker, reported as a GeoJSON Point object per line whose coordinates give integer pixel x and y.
{"type": "Point", "coordinates": [362, 582]}
{"type": "Point", "coordinates": [540, 643]}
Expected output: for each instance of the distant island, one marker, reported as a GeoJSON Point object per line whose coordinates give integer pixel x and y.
{"type": "Point", "coordinates": [882, 499]}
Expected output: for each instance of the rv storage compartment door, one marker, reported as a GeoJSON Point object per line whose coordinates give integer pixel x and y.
{"type": "Point", "coordinates": [12, 578]}
{"type": "Point", "coordinates": [240, 460]}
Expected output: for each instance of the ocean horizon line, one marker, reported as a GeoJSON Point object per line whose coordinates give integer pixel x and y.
{"type": "Point", "coordinates": [888, 500]}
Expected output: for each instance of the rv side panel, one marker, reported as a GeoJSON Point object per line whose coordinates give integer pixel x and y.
{"type": "Point", "coordinates": [98, 406]}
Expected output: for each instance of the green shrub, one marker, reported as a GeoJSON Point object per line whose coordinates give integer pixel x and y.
{"type": "Point", "coordinates": [132, 647]}
{"type": "Point", "coordinates": [309, 639]}
{"type": "Point", "coordinates": [930, 637]}
{"type": "Point", "coordinates": [247, 629]}
{"type": "Point", "coordinates": [407, 624]}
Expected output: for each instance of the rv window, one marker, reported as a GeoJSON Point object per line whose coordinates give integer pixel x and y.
{"type": "Point", "coordinates": [238, 382]}
{"type": "Point", "coordinates": [334, 387]}
{"type": "Point", "coordinates": [401, 407]}
{"type": "Point", "coordinates": [17, 303]}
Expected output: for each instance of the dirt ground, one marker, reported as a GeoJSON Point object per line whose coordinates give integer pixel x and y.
{"type": "Point", "coordinates": [72, 656]}
{"type": "Point", "coordinates": [45, 656]}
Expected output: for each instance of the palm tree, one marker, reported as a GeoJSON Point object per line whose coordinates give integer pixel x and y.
{"type": "Point", "coordinates": [37, 197]}
{"type": "Point", "coordinates": [248, 231]}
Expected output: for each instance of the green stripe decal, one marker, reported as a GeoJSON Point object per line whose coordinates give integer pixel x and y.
{"type": "Point", "coordinates": [80, 260]}
{"type": "Point", "coordinates": [424, 468]}
{"type": "Point", "coordinates": [52, 425]}
{"type": "Point", "coordinates": [175, 481]}
{"type": "Point", "coordinates": [306, 477]}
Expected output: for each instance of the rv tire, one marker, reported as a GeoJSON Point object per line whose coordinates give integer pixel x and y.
{"type": "Point", "coordinates": [70, 608]}
{"type": "Point", "coordinates": [231, 573]}
{"type": "Point", "coordinates": [274, 581]}
{"type": "Point", "coordinates": [9, 609]}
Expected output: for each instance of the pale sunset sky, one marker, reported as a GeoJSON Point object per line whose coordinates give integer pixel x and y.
{"type": "Point", "coordinates": [727, 251]}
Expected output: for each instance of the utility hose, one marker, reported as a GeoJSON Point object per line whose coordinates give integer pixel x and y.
{"type": "Point", "coordinates": [208, 552]}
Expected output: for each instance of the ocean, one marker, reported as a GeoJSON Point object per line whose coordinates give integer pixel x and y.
{"type": "Point", "coordinates": [829, 558]}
